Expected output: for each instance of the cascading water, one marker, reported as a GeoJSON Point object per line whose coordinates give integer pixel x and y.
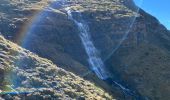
{"type": "Point", "coordinates": [96, 63]}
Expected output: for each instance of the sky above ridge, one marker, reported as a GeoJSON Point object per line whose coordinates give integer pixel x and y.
{"type": "Point", "coordinates": [158, 8]}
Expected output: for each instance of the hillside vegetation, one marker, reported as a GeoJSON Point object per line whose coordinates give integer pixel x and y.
{"type": "Point", "coordinates": [23, 71]}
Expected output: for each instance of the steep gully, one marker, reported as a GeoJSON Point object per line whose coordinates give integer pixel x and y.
{"type": "Point", "coordinates": [95, 62]}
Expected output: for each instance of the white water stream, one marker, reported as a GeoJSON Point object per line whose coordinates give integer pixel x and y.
{"type": "Point", "coordinates": [96, 63]}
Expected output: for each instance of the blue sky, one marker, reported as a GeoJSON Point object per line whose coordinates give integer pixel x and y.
{"type": "Point", "coordinates": [158, 8]}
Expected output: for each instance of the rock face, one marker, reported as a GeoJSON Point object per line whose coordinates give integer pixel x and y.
{"type": "Point", "coordinates": [39, 78]}
{"type": "Point", "coordinates": [141, 58]}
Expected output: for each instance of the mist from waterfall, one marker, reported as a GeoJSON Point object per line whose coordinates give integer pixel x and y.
{"type": "Point", "coordinates": [96, 63]}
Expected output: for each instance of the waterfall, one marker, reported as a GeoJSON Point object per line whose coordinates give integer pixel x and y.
{"type": "Point", "coordinates": [95, 62]}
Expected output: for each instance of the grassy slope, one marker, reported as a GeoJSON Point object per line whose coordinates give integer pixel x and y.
{"type": "Point", "coordinates": [144, 67]}
{"type": "Point", "coordinates": [148, 68]}
{"type": "Point", "coordinates": [27, 72]}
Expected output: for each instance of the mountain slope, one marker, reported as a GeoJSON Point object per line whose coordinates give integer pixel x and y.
{"type": "Point", "coordinates": [53, 36]}
{"type": "Point", "coordinates": [138, 61]}
{"type": "Point", "coordinates": [145, 65]}
{"type": "Point", "coordinates": [146, 68]}
{"type": "Point", "coordinates": [40, 78]}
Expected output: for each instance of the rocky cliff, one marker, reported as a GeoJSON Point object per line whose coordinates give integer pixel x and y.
{"type": "Point", "coordinates": [141, 60]}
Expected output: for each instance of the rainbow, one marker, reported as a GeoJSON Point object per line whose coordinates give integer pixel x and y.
{"type": "Point", "coordinates": [21, 39]}
{"type": "Point", "coordinates": [22, 34]}
{"type": "Point", "coordinates": [28, 27]}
